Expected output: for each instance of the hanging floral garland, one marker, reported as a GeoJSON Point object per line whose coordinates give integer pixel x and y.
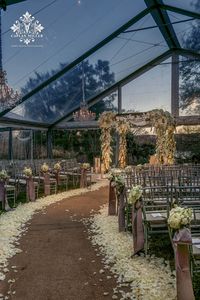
{"type": "Point", "coordinates": [170, 144]}
{"type": "Point", "coordinates": [164, 125]}
{"type": "Point", "coordinates": [122, 127]}
{"type": "Point", "coordinates": [106, 123]}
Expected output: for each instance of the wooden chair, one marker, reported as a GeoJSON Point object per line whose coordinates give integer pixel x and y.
{"type": "Point", "coordinates": [11, 193]}
{"type": "Point", "coordinates": [156, 207]}
{"type": "Point", "coordinates": [195, 248]}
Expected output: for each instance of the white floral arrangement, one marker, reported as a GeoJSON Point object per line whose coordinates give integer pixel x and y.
{"type": "Point", "coordinates": [44, 168]}
{"type": "Point", "coordinates": [128, 169]}
{"type": "Point", "coordinates": [85, 166]}
{"type": "Point", "coordinates": [139, 167]}
{"type": "Point", "coordinates": [3, 175]}
{"type": "Point", "coordinates": [179, 217]}
{"type": "Point", "coordinates": [135, 194]}
{"type": "Point", "coordinates": [114, 172]}
{"type": "Point", "coordinates": [27, 172]}
{"type": "Point", "coordinates": [119, 183]}
{"type": "Point", "coordinates": [57, 167]}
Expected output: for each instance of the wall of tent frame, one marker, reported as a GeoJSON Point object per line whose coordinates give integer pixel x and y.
{"type": "Point", "coordinates": [152, 44]}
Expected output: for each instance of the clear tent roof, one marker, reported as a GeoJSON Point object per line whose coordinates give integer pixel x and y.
{"type": "Point", "coordinates": [106, 37]}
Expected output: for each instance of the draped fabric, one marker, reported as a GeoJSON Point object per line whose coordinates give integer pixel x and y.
{"type": "Point", "coordinates": [30, 189]}
{"type": "Point", "coordinates": [182, 239]}
{"type": "Point", "coordinates": [46, 184]}
{"type": "Point", "coordinates": [83, 181]}
{"type": "Point", "coordinates": [137, 227]}
{"type": "Point", "coordinates": [112, 200]}
{"type": "Point", "coordinates": [121, 212]}
{"type": "Point", "coordinates": [57, 176]}
{"type": "Point", "coordinates": [2, 193]}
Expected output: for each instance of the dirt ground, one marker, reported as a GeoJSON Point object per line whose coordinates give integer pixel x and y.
{"type": "Point", "coordinates": [58, 261]}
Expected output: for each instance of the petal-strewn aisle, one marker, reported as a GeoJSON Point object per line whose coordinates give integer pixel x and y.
{"type": "Point", "coordinates": [57, 261]}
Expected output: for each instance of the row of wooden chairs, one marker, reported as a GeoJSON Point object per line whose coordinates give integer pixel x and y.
{"type": "Point", "coordinates": [160, 193]}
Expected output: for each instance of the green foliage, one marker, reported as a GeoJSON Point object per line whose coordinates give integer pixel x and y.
{"type": "Point", "coordinates": [84, 145]}
{"type": "Point", "coordinates": [138, 154]}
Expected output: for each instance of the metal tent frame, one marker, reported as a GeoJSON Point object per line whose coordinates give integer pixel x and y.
{"type": "Point", "coordinates": [159, 11]}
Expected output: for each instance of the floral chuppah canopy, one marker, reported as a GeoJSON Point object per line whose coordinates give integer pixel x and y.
{"type": "Point", "coordinates": [164, 127]}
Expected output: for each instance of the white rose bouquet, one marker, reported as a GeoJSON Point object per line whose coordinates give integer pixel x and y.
{"type": "Point", "coordinates": [44, 168]}
{"type": "Point", "coordinates": [57, 167]}
{"type": "Point", "coordinates": [135, 194]}
{"type": "Point", "coordinates": [3, 175]}
{"type": "Point", "coordinates": [27, 172]}
{"type": "Point", "coordinates": [114, 172]}
{"type": "Point", "coordinates": [85, 166]}
{"type": "Point", "coordinates": [179, 217]}
{"type": "Point", "coordinates": [128, 169]}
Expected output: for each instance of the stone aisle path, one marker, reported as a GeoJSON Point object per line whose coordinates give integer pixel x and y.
{"type": "Point", "coordinates": [58, 262]}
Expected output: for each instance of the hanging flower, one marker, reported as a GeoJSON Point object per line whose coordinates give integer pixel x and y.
{"type": "Point", "coordinates": [164, 125]}
{"type": "Point", "coordinates": [179, 217]}
{"type": "Point", "coordinates": [135, 194]}
{"type": "Point", "coordinates": [3, 175]}
{"type": "Point", "coordinates": [44, 168]}
{"type": "Point", "coordinates": [106, 123]}
{"type": "Point", "coordinates": [107, 119]}
{"type": "Point", "coordinates": [122, 127]}
{"type": "Point", "coordinates": [27, 172]}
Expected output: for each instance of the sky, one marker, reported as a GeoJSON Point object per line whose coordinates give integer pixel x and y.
{"type": "Point", "coordinates": [71, 27]}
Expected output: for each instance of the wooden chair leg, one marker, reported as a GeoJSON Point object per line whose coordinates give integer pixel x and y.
{"type": "Point", "coordinates": [146, 240]}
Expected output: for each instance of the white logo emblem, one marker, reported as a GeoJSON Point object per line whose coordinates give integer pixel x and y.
{"type": "Point", "coordinates": [27, 29]}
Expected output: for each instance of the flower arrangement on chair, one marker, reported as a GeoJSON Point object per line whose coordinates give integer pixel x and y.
{"type": "Point", "coordinates": [3, 175]}
{"type": "Point", "coordinates": [179, 217]}
{"type": "Point", "coordinates": [44, 168]}
{"type": "Point", "coordinates": [135, 194]}
{"type": "Point", "coordinates": [85, 166]}
{"type": "Point", "coordinates": [179, 221]}
{"type": "Point", "coordinates": [28, 172]}
{"type": "Point", "coordinates": [30, 186]}
{"type": "Point", "coordinates": [136, 215]}
{"type": "Point", "coordinates": [128, 169]}
{"type": "Point", "coordinates": [57, 167]}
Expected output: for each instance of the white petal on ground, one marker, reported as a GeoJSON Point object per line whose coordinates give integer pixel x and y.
{"type": "Point", "coordinates": [150, 279]}
{"type": "Point", "coordinates": [13, 223]}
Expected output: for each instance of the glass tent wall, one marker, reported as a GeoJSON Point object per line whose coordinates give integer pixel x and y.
{"type": "Point", "coordinates": [108, 66]}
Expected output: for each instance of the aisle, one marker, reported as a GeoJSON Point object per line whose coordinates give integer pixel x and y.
{"type": "Point", "coordinates": [58, 261]}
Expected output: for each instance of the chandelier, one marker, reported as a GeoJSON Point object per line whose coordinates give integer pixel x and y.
{"type": "Point", "coordinates": [84, 114]}
{"type": "Point", "coordinates": [8, 97]}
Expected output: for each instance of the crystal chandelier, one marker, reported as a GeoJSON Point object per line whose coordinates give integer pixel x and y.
{"type": "Point", "coordinates": [84, 114]}
{"type": "Point", "coordinates": [8, 97]}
